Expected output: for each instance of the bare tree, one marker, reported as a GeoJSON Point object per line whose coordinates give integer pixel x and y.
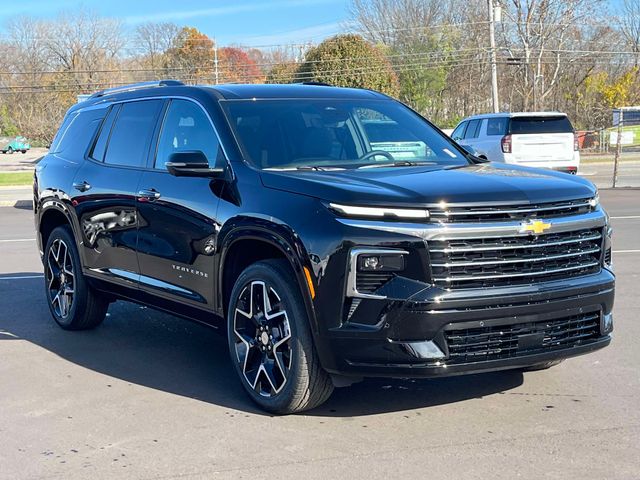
{"type": "Point", "coordinates": [536, 35]}
{"type": "Point", "coordinates": [630, 26]}
{"type": "Point", "coordinates": [151, 42]}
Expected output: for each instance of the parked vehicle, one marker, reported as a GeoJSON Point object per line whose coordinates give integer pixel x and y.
{"type": "Point", "coordinates": [333, 233]}
{"type": "Point", "coordinates": [533, 139]}
{"type": "Point", "coordinates": [17, 144]}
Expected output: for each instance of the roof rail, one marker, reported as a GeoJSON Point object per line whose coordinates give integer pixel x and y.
{"type": "Point", "coordinates": [137, 86]}
{"type": "Point", "coordinates": [319, 84]}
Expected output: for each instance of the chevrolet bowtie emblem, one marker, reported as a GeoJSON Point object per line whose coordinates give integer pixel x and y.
{"type": "Point", "coordinates": [534, 226]}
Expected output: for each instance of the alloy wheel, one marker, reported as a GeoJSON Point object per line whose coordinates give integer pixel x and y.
{"type": "Point", "coordinates": [262, 338]}
{"type": "Point", "coordinates": [60, 278]}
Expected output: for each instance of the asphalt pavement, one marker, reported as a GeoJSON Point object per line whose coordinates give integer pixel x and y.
{"type": "Point", "coordinates": [147, 395]}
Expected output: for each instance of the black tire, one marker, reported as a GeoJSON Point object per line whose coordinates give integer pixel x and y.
{"type": "Point", "coordinates": [82, 308]}
{"type": "Point", "coordinates": [23, 151]}
{"type": "Point", "coordinates": [542, 366]}
{"type": "Point", "coordinates": [9, 150]}
{"type": "Point", "coordinates": [273, 353]}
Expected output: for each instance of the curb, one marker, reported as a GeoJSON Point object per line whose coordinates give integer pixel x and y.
{"type": "Point", "coordinates": [17, 203]}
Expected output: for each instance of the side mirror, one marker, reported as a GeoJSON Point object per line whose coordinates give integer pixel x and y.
{"type": "Point", "coordinates": [469, 149]}
{"type": "Point", "coordinates": [191, 163]}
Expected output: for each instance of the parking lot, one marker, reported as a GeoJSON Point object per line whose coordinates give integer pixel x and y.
{"type": "Point", "coordinates": [147, 395]}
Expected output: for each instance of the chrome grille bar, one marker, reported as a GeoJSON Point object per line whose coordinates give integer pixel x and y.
{"type": "Point", "coordinates": [458, 278]}
{"type": "Point", "coordinates": [596, 236]}
{"type": "Point", "coordinates": [519, 260]}
{"type": "Point", "coordinates": [498, 211]}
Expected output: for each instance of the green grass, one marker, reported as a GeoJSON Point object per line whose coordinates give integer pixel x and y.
{"type": "Point", "coordinates": [16, 178]}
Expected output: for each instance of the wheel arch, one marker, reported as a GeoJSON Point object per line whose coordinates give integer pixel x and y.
{"type": "Point", "coordinates": [52, 216]}
{"type": "Point", "coordinates": [246, 244]}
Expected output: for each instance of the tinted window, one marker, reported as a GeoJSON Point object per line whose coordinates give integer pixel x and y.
{"type": "Point", "coordinates": [186, 127]}
{"type": "Point", "coordinates": [497, 126]}
{"type": "Point", "coordinates": [458, 133]}
{"type": "Point", "coordinates": [472, 129]}
{"type": "Point", "coordinates": [559, 124]}
{"type": "Point", "coordinates": [289, 134]}
{"type": "Point", "coordinates": [132, 132]}
{"type": "Point", "coordinates": [74, 140]}
{"type": "Point", "coordinates": [103, 137]}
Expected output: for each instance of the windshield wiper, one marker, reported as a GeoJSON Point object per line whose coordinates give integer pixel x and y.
{"type": "Point", "coordinates": [304, 168]}
{"type": "Point", "coordinates": [403, 163]}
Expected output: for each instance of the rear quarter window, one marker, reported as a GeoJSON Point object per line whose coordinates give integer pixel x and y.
{"type": "Point", "coordinates": [542, 124]}
{"type": "Point", "coordinates": [77, 133]}
{"type": "Point", "coordinates": [497, 126]}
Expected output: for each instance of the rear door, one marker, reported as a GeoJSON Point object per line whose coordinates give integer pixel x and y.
{"type": "Point", "coordinates": [541, 138]}
{"type": "Point", "coordinates": [106, 186]}
{"type": "Point", "coordinates": [177, 215]}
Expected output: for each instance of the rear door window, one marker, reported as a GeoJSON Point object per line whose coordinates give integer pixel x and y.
{"type": "Point", "coordinates": [542, 124]}
{"type": "Point", "coordinates": [103, 137]}
{"type": "Point", "coordinates": [497, 126]}
{"type": "Point", "coordinates": [472, 129]}
{"type": "Point", "coordinates": [132, 133]}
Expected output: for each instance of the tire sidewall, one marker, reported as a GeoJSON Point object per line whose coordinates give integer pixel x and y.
{"type": "Point", "coordinates": [290, 296]}
{"type": "Point", "coordinates": [79, 299]}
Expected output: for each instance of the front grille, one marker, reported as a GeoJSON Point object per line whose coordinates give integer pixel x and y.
{"type": "Point", "coordinates": [491, 262]}
{"type": "Point", "coordinates": [505, 341]}
{"type": "Point", "coordinates": [511, 212]}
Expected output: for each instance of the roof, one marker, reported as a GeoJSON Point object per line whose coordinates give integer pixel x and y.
{"type": "Point", "coordinates": [234, 91]}
{"type": "Point", "coordinates": [251, 91]}
{"type": "Point", "coordinates": [516, 114]}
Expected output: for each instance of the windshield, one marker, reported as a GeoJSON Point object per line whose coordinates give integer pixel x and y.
{"type": "Point", "coordinates": [335, 134]}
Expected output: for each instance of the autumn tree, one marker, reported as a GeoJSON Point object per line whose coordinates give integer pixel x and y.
{"type": "Point", "coordinates": [284, 72]}
{"type": "Point", "coordinates": [236, 66]}
{"type": "Point", "coordinates": [191, 56]}
{"type": "Point", "coordinates": [349, 61]}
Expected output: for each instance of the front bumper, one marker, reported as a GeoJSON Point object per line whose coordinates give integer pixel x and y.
{"type": "Point", "coordinates": [388, 347]}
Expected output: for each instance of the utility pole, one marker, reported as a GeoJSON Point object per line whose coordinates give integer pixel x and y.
{"type": "Point", "coordinates": [494, 66]}
{"type": "Point", "coordinates": [215, 61]}
{"type": "Point", "coordinates": [616, 159]}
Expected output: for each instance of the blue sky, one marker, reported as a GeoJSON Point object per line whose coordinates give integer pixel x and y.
{"type": "Point", "coordinates": [247, 22]}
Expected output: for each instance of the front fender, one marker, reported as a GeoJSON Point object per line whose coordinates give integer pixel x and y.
{"type": "Point", "coordinates": [277, 234]}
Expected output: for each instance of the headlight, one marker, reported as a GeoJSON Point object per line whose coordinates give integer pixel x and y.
{"type": "Point", "coordinates": [380, 212]}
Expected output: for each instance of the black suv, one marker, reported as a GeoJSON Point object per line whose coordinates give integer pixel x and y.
{"type": "Point", "coordinates": [334, 232]}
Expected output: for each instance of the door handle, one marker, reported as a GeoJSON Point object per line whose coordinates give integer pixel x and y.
{"type": "Point", "coordinates": [82, 186]}
{"type": "Point", "coordinates": [148, 195]}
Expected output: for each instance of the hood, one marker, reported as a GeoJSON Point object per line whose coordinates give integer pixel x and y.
{"type": "Point", "coordinates": [418, 186]}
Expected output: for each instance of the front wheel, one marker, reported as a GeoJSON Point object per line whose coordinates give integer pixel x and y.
{"type": "Point", "coordinates": [9, 150]}
{"type": "Point", "coordinates": [72, 302]}
{"type": "Point", "coordinates": [270, 341]}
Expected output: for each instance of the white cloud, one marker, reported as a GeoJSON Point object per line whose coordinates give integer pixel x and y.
{"type": "Point", "coordinates": [300, 35]}
{"type": "Point", "coordinates": [184, 14]}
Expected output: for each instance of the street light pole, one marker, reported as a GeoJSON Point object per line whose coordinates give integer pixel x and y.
{"type": "Point", "coordinates": [494, 66]}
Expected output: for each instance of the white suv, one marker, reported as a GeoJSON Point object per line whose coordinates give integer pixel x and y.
{"type": "Point", "coordinates": [533, 139]}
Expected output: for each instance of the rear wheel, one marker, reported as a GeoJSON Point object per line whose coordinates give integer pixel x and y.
{"type": "Point", "coordinates": [270, 341]}
{"type": "Point", "coordinates": [73, 304]}
{"type": "Point", "coordinates": [23, 151]}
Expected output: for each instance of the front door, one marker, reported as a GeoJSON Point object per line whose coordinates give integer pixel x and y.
{"type": "Point", "coordinates": [177, 228]}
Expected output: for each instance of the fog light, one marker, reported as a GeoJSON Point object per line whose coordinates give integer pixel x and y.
{"type": "Point", "coordinates": [607, 323]}
{"type": "Point", "coordinates": [381, 263]}
{"type": "Point", "coordinates": [370, 263]}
